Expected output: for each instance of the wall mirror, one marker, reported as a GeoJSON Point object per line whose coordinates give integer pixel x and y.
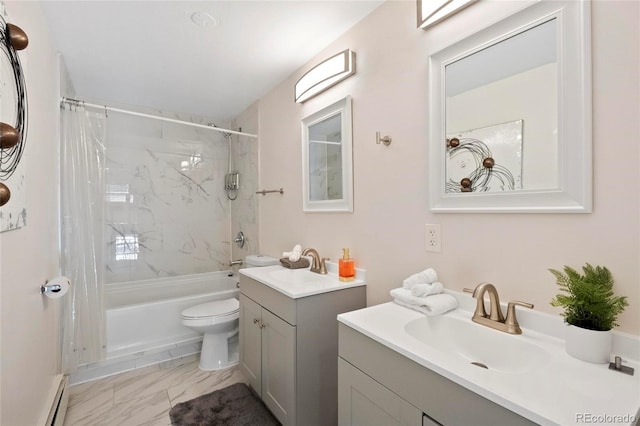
{"type": "Point", "coordinates": [327, 167]}
{"type": "Point", "coordinates": [510, 115]}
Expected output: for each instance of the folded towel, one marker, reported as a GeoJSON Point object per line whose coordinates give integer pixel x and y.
{"type": "Point", "coordinates": [422, 290]}
{"type": "Point", "coordinates": [303, 262]}
{"type": "Point", "coordinates": [428, 276]}
{"type": "Point", "coordinates": [293, 255]}
{"type": "Point", "coordinates": [438, 304]}
{"type": "Point", "coordinates": [435, 304]}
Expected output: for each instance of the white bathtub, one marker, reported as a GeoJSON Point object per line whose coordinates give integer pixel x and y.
{"type": "Point", "coordinates": [145, 315]}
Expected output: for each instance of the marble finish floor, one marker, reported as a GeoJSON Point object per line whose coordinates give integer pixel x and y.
{"type": "Point", "coordinates": [144, 396]}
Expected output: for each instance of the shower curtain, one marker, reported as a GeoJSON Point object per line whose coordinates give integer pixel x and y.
{"type": "Point", "coordinates": [83, 137]}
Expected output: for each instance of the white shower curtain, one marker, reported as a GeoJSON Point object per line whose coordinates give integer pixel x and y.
{"type": "Point", "coordinates": [83, 137]}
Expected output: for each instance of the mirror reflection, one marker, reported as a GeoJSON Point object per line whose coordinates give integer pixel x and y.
{"type": "Point", "coordinates": [501, 115]}
{"type": "Point", "coordinates": [326, 159]}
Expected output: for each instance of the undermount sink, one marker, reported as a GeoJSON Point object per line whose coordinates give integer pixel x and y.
{"type": "Point", "coordinates": [298, 276]}
{"type": "Point", "coordinates": [456, 335]}
{"type": "Point", "coordinates": [301, 282]}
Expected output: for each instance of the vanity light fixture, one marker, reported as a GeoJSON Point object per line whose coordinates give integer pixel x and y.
{"type": "Point", "coordinates": [324, 75]}
{"type": "Point", "coordinates": [430, 12]}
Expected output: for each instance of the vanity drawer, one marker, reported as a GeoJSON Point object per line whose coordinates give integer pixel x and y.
{"type": "Point", "coordinates": [276, 302]}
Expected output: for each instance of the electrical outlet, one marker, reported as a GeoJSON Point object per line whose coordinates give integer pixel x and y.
{"type": "Point", "coordinates": [434, 237]}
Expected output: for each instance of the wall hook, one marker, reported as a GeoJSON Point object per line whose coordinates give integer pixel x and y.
{"type": "Point", "coordinates": [385, 140]}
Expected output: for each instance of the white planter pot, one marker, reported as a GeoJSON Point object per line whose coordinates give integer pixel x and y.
{"type": "Point", "coordinates": [588, 345]}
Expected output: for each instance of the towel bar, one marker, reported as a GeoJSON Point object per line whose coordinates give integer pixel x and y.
{"type": "Point", "coordinates": [265, 192]}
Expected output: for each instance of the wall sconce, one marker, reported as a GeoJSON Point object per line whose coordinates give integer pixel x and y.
{"type": "Point", "coordinates": [324, 75]}
{"type": "Point", "coordinates": [430, 12]}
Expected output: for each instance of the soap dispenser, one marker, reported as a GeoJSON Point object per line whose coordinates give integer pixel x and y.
{"type": "Point", "coordinates": [346, 267]}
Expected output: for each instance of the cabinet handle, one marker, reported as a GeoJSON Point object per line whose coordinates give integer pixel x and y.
{"type": "Point", "coordinates": [263, 325]}
{"type": "Point", "coordinates": [256, 320]}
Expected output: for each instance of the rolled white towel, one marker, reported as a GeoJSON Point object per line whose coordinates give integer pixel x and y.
{"type": "Point", "coordinates": [293, 255]}
{"type": "Point", "coordinates": [428, 276]}
{"type": "Point", "coordinates": [436, 305]}
{"type": "Point", "coordinates": [423, 290]}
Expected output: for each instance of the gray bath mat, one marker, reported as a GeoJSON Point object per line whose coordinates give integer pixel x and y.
{"type": "Point", "coordinates": [235, 405]}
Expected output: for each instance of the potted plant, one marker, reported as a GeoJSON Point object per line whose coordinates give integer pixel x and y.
{"type": "Point", "coordinates": [590, 309]}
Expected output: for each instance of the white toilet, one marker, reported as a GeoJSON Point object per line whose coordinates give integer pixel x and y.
{"type": "Point", "coordinates": [218, 321]}
{"type": "Point", "coordinates": [258, 260]}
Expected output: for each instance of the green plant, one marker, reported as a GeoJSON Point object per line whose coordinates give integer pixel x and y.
{"type": "Point", "coordinates": [589, 301]}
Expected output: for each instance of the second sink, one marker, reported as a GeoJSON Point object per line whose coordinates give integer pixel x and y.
{"type": "Point", "coordinates": [456, 335]}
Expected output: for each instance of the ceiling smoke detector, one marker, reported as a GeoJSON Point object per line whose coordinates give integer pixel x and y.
{"type": "Point", "coordinates": [203, 19]}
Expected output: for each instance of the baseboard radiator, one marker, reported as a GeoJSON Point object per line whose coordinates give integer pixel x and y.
{"type": "Point", "coordinates": [59, 404]}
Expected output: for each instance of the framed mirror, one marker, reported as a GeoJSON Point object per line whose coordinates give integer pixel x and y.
{"type": "Point", "coordinates": [510, 115]}
{"type": "Point", "coordinates": [327, 166]}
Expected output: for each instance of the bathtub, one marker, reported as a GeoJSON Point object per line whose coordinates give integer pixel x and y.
{"type": "Point", "coordinates": [144, 315]}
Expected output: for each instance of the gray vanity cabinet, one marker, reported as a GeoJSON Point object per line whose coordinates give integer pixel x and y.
{"type": "Point", "coordinates": [269, 341]}
{"type": "Point", "coordinates": [289, 349]}
{"type": "Point", "coordinates": [374, 379]}
{"type": "Point", "coordinates": [365, 402]}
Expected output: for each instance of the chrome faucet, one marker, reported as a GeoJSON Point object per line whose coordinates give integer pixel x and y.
{"type": "Point", "coordinates": [495, 319]}
{"type": "Point", "coordinates": [317, 264]}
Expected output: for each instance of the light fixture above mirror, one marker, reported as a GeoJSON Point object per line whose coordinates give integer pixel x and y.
{"type": "Point", "coordinates": [430, 12]}
{"type": "Point", "coordinates": [324, 75]}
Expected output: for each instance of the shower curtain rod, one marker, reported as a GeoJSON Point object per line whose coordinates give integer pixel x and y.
{"type": "Point", "coordinates": [155, 117]}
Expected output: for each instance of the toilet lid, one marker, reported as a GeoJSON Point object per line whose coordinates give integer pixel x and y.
{"type": "Point", "coordinates": [212, 309]}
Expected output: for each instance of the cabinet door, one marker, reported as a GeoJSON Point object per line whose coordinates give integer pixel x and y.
{"type": "Point", "coordinates": [251, 342]}
{"type": "Point", "coordinates": [363, 401]}
{"type": "Point", "coordinates": [278, 367]}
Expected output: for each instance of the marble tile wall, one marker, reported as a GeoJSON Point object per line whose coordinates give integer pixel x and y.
{"type": "Point", "coordinates": [244, 210]}
{"type": "Point", "coordinates": [166, 211]}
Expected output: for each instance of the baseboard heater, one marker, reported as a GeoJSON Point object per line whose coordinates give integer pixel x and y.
{"type": "Point", "coordinates": [59, 404]}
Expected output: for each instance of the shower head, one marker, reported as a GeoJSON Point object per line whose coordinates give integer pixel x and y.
{"type": "Point", "coordinates": [226, 135]}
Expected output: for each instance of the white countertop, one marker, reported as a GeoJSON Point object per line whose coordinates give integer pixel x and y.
{"type": "Point", "coordinates": [560, 391]}
{"type": "Point", "coordinates": [297, 283]}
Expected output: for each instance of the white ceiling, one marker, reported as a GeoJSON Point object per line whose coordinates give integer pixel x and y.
{"type": "Point", "coordinates": [150, 53]}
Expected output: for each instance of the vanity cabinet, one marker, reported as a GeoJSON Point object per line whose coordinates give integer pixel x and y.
{"type": "Point", "coordinates": [363, 401]}
{"type": "Point", "coordinates": [269, 340]}
{"type": "Point", "coordinates": [289, 349]}
{"type": "Point", "coordinates": [376, 379]}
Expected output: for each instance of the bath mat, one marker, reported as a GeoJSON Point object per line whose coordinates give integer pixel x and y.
{"type": "Point", "coordinates": [235, 405]}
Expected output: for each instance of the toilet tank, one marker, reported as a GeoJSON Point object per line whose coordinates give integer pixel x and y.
{"type": "Point", "coordinates": [258, 260]}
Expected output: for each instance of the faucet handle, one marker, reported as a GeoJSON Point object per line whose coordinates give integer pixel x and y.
{"type": "Point", "coordinates": [323, 266]}
{"type": "Point", "coordinates": [511, 321]}
{"type": "Point", "coordinates": [468, 290]}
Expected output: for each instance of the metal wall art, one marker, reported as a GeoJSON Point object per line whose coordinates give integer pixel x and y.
{"type": "Point", "coordinates": [13, 122]}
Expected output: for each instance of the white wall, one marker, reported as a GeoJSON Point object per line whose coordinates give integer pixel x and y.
{"type": "Point", "coordinates": [386, 231]}
{"type": "Point", "coordinates": [29, 322]}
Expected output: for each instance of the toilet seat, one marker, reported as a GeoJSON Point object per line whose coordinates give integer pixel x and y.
{"type": "Point", "coordinates": [213, 312]}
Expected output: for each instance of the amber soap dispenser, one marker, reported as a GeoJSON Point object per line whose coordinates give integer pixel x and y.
{"type": "Point", "coordinates": [346, 267]}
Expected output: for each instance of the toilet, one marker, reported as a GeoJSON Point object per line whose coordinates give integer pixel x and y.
{"type": "Point", "coordinates": [218, 321]}
{"type": "Point", "coordinates": [258, 260]}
